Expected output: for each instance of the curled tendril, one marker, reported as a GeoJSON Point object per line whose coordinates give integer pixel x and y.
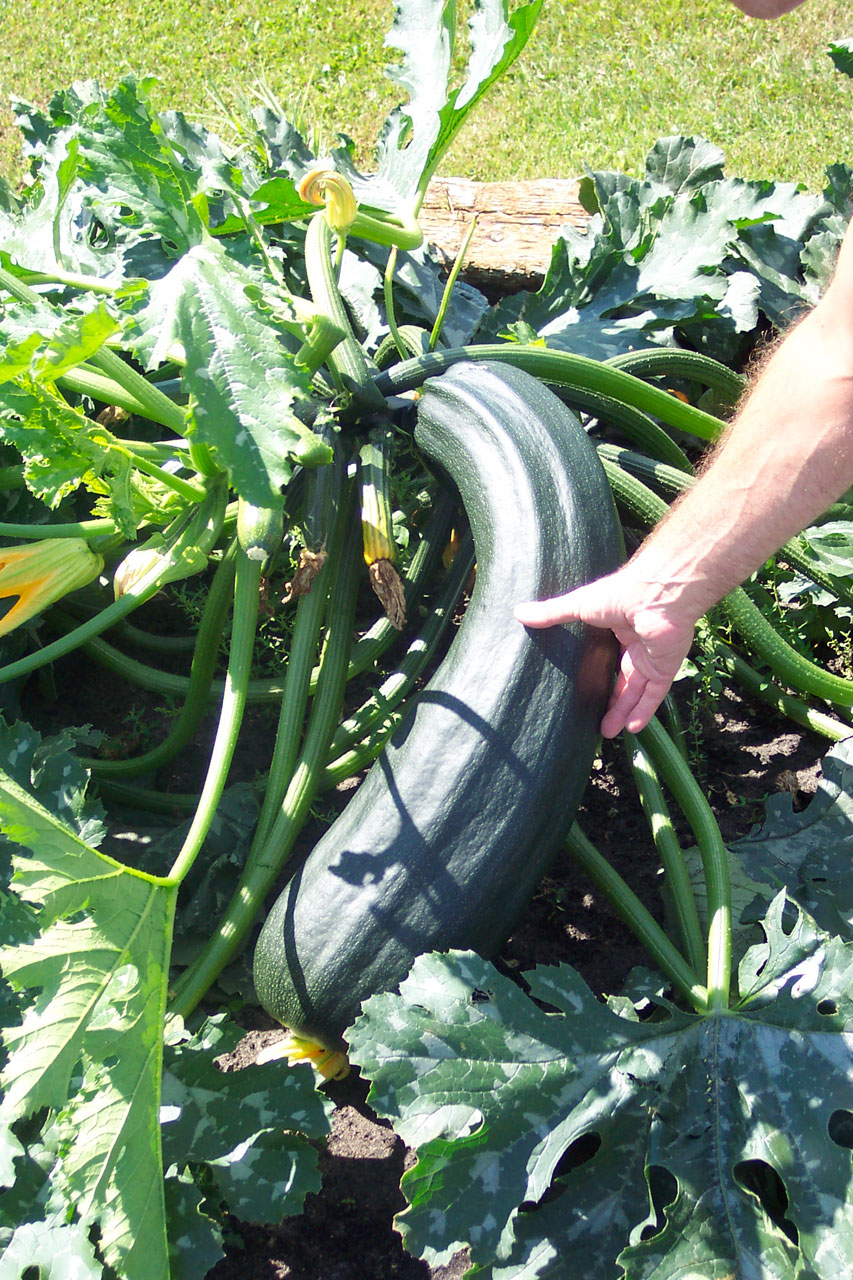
{"type": "Point", "coordinates": [330, 188]}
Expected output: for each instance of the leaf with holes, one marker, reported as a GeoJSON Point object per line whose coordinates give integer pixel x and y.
{"type": "Point", "coordinates": [588, 1142]}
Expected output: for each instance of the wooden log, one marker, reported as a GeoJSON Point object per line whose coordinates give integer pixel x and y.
{"type": "Point", "coordinates": [517, 226]}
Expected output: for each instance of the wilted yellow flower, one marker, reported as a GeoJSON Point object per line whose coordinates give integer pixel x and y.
{"type": "Point", "coordinates": [136, 565]}
{"type": "Point", "coordinates": [328, 1063]}
{"type": "Point", "coordinates": [327, 186]}
{"type": "Point", "coordinates": [154, 559]}
{"type": "Point", "coordinates": [34, 575]}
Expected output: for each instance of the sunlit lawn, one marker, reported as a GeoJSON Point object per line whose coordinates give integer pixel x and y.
{"type": "Point", "coordinates": [598, 84]}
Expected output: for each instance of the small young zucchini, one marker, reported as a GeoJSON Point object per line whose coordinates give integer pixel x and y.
{"type": "Point", "coordinates": [446, 839]}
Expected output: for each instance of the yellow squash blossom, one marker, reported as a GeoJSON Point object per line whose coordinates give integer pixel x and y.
{"type": "Point", "coordinates": [34, 575]}
{"type": "Point", "coordinates": [328, 187]}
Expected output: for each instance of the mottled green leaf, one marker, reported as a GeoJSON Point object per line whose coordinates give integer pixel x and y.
{"type": "Point", "coordinates": [809, 852]}
{"type": "Point", "coordinates": [584, 1142]}
{"type": "Point", "coordinates": [682, 253]}
{"type": "Point", "coordinates": [418, 134]}
{"type": "Point", "coordinates": [56, 1250]}
{"type": "Point", "coordinates": [47, 769]}
{"type": "Point", "coordinates": [195, 1238]}
{"type": "Point", "coordinates": [131, 168]}
{"type": "Point", "coordinates": [829, 547]}
{"type": "Point", "coordinates": [684, 163]}
{"type": "Point", "coordinates": [249, 1127]}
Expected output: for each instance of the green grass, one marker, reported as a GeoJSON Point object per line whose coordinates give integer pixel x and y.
{"type": "Point", "coordinates": [598, 84]}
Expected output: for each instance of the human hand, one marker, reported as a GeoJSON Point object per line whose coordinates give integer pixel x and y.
{"type": "Point", "coordinates": [654, 632]}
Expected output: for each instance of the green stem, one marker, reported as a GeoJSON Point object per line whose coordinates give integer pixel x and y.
{"type": "Point", "coordinates": [769, 692]}
{"type": "Point", "coordinates": [363, 753]}
{"type": "Point", "coordinates": [390, 310]}
{"type": "Point", "coordinates": [791, 667]}
{"type": "Point", "coordinates": [369, 647]}
{"type": "Point", "coordinates": [671, 717]}
{"type": "Point", "coordinates": [172, 803]}
{"type": "Point", "coordinates": [347, 363]}
{"type": "Point", "coordinates": [363, 735]}
{"type": "Point", "coordinates": [672, 768]}
{"type": "Point", "coordinates": [674, 481]}
{"type": "Point", "coordinates": [184, 488]}
{"type": "Point", "coordinates": [158, 643]}
{"type": "Point", "coordinates": [265, 690]}
{"type": "Point", "coordinates": [261, 690]}
{"type": "Point", "coordinates": [451, 281]}
{"type": "Point", "coordinates": [71, 280]}
{"type": "Point", "coordinates": [561, 368]}
{"type": "Point", "coordinates": [671, 855]}
{"type": "Point", "coordinates": [630, 422]}
{"type": "Point", "coordinates": [154, 404]}
{"type": "Point", "coordinates": [263, 868]}
{"type": "Point", "coordinates": [638, 918]}
{"type": "Point", "coordinates": [246, 596]}
{"type": "Point", "coordinates": [304, 644]}
{"type": "Point", "coordinates": [674, 363]}
{"type": "Point", "coordinates": [398, 684]}
{"type": "Point", "coordinates": [85, 381]}
{"type": "Point", "coordinates": [80, 635]}
{"type": "Point", "coordinates": [387, 229]}
{"type": "Point", "coordinates": [82, 529]}
{"type": "Point", "coordinates": [323, 337]}
{"type": "Point", "coordinates": [204, 661]}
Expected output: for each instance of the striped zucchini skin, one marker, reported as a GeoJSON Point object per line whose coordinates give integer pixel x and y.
{"type": "Point", "coordinates": [446, 839]}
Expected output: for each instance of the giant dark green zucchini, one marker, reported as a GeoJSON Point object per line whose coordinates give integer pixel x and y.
{"type": "Point", "coordinates": [447, 837]}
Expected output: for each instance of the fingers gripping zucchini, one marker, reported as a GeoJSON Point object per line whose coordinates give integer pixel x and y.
{"type": "Point", "coordinates": [447, 837]}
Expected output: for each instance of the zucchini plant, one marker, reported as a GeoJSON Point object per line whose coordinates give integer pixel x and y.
{"type": "Point", "coordinates": [240, 365]}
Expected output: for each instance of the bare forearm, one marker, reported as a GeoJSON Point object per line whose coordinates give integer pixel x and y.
{"type": "Point", "coordinates": [787, 457]}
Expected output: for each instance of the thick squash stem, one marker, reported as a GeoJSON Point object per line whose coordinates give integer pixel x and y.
{"type": "Point", "coordinates": [264, 863]}
{"type": "Point", "coordinates": [675, 773]}
{"type": "Point", "coordinates": [246, 598]}
{"type": "Point", "coordinates": [198, 690]}
{"type": "Point", "coordinates": [559, 369]}
{"type": "Point", "coordinates": [672, 858]}
{"type": "Point", "coordinates": [638, 918]}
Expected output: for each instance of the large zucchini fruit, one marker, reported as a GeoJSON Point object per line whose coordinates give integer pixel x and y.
{"type": "Point", "coordinates": [447, 837]}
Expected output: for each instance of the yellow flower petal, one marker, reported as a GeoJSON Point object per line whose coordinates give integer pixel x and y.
{"type": "Point", "coordinates": [328, 187]}
{"type": "Point", "coordinates": [37, 574]}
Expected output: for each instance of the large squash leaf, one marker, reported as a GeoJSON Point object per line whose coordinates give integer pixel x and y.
{"type": "Point", "coordinates": [586, 1141]}
{"type": "Point", "coordinates": [418, 134]}
{"type": "Point", "coordinates": [101, 1096]}
{"type": "Point", "coordinates": [97, 975]}
{"type": "Point", "coordinates": [244, 385]}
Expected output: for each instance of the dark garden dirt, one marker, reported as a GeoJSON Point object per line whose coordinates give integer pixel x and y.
{"type": "Point", "coordinates": [740, 754]}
